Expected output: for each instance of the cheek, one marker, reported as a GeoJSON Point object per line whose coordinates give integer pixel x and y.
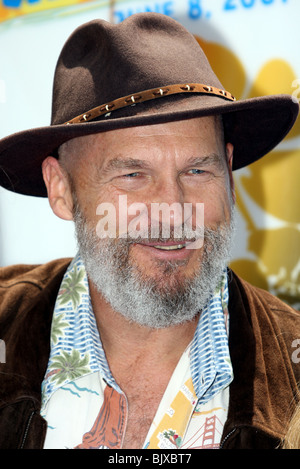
{"type": "Point", "coordinates": [94, 200]}
{"type": "Point", "coordinates": [109, 212]}
{"type": "Point", "coordinates": [217, 206]}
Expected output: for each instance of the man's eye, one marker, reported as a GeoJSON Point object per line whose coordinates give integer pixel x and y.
{"type": "Point", "coordinates": [197, 171]}
{"type": "Point", "coordinates": [131, 175]}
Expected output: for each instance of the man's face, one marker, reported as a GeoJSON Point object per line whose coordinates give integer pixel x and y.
{"type": "Point", "coordinates": [174, 163]}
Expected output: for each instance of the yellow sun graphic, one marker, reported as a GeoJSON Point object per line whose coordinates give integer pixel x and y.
{"type": "Point", "coordinates": [268, 196]}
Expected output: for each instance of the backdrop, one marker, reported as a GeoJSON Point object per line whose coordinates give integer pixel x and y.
{"type": "Point", "coordinates": [253, 45]}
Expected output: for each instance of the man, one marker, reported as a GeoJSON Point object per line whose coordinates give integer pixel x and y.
{"type": "Point", "coordinates": [154, 343]}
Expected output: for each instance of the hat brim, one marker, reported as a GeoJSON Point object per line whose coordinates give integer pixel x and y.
{"type": "Point", "coordinates": [256, 126]}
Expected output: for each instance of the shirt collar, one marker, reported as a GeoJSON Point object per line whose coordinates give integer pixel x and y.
{"type": "Point", "coordinates": [76, 348]}
{"type": "Point", "coordinates": [210, 361]}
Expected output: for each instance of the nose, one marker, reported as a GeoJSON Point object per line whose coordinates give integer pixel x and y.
{"type": "Point", "coordinates": [167, 203]}
{"type": "Point", "coordinates": [168, 188]}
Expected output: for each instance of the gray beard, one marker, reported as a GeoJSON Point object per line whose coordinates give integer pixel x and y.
{"type": "Point", "coordinates": [147, 301]}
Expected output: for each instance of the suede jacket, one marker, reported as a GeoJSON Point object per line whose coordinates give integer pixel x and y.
{"type": "Point", "coordinates": [262, 331]}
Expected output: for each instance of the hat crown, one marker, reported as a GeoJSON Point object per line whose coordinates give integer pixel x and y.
{"type": "Point", "coordinates": [101, 62]}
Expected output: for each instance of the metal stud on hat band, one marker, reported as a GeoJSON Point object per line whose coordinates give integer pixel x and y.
{"type": "Point", "coordinates": [147, 95]}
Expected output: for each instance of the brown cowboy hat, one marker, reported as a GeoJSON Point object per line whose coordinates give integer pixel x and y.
{"type": "Point", "coordinates": [146, 70]}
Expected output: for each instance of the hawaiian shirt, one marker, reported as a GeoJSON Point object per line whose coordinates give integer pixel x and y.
{"type": "Point", "coordinates": [84, 406]}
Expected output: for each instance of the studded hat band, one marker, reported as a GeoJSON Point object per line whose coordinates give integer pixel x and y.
{"type": "Point", "coordinates": [147, 96]}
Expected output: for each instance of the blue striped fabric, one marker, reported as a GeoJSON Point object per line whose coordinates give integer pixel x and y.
{"type": "Point", "coordinates": [76, 346]}
{"type": "Point", "coordinates": [210, 362]}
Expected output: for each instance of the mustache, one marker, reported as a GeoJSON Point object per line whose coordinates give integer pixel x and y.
{"type": "Point", "coordinates": [163, 234]}
{"type": "Point", "coordinates": [203, 238]}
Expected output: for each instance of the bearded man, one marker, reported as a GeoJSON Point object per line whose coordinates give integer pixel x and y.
{"type": "Point", "coordinates": [145, 339]}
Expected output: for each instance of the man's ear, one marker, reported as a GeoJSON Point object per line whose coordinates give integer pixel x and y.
{"type": "Point", "coordinates": [229, 156]}
{"type": "Point", "coordinates": [58, 188]}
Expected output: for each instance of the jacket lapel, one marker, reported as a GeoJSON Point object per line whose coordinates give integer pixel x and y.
{"type": "Point", "coordinates": [264, 386]}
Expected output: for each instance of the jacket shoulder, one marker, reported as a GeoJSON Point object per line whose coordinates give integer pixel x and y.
{"type": "Point", "coordinates": [37, 275]}
{"type": "Point", "coordinates": [273, 321]}
{"type": "Point", "coordinates": [21, 285]}
{"type": "Point", "coordinates": [257, 297]}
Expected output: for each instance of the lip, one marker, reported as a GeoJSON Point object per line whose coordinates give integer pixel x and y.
{"type": "Point", "coordinates": [163, 243]}
{"type": "Point", "coordinates": [173, 254]}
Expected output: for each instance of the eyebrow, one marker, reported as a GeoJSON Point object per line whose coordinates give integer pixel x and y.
{"type": "Point", "coordinates": [212, 159]}
{"type": "Point", "coordinates": [124, 163]}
